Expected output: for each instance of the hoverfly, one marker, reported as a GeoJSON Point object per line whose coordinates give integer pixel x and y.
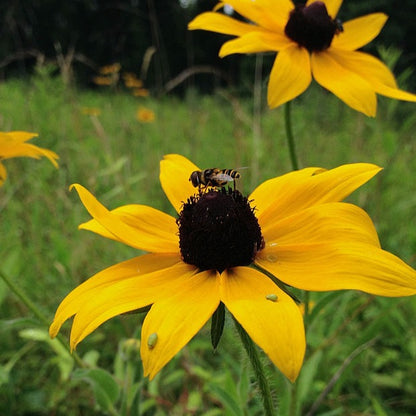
{"type": "Point", "coordinates": [213, 177]}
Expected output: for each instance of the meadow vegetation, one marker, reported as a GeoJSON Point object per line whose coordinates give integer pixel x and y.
{"type": "Point", "coordinates": [361, 356]}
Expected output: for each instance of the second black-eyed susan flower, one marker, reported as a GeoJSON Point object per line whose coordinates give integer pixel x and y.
{"type": "Point", "coordinates": [310, 41]}
{"type": "Point", "coordinates": [226, 248]}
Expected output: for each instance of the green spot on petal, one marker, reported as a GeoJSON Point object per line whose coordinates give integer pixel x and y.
{"type": "Point", "coordinates": [272, 297]}
{"type": "Point", "coordinates": [152, 340]}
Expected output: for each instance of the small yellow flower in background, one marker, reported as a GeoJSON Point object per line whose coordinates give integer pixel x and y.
{"type": "Point", "coordinates": [110, 69]}
{"type": "Point", "coordinates": [226, 248]}
{"type": "Point", "coordinates": [145, 115]}
{"type": "Point", "coordinates": [108, 75]}
{"type": "Point", "coordinates": [13, 144]}
{"type": "Point", "coordinates": [140, 92]}
{"type": "Point", "coordinates": [91, 111]}
{"type": "Point", "coordinates": [310, 41]}
{"type": "Point", "coordinates": [104, 80]}
{"type": "Point", "coordinates": [131, 81]}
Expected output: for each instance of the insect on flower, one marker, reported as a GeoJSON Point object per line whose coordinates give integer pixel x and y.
{"type": "Point", "coordinates": [213, 177]}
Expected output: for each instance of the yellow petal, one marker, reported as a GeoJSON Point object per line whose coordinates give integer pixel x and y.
{"type": "Point", "coordinates": [275, 326]}
{"type": "Point", "coordinates": [360, 31]}
{"type": "Point", "coordinates": [175, 171]}
{"type": "Point", "coordinates": [287, 194]}
{"type": "Point", "coordinates": [376, 73]}
{"type": "Point", "coordinates": [13, 144]}
{"type": "Point", "coordinates": [270, 14]}
{"type": "Point", "coordinates": [147, 236]}
{"type": "Point", "coordinates": [3, 174]}
{"type": "Point", "coordinates": [173, 321]}
{"type": "Point", "coordinates": [125, 295]}
{"type": "Point", "coordinates": [147, 221]}
{"type": "Point", "coordinates": [349, 87]}
{"type": "Point", "coordinates": [321, 223]}
{"type": "Point", "coordinates": [339, 265]}
{"type": "Point", "coordinates": [81, 295]}
{"type": "Point", "coordinates": [366, 66]}
{"type": "Point", "coordinates": [216, 22]}
{"type": "Point", "coordinates": [254, 42]}
{"type": "Point", "coordinates": [20, 136]}
{"type": "Point", "coordinates": [290, 75]}
{"type": "Point", "coordinates": [332, 6]}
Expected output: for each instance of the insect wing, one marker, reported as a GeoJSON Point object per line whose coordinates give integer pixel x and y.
{"type": "Point", "coordinates": [222, 177]}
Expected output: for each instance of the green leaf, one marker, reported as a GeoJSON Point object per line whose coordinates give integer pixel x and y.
{"type": "Point", "coordinates": [217, 325]}
{"type": "Point", "coordinates": [105, 388]}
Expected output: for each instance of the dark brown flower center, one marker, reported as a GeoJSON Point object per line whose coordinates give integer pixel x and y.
{"type": "Point", "coordinates": [312, 27]}
{"type": "Point", "coordinates": [218, 230]}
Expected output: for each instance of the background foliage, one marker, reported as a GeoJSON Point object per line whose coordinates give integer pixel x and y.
{"type": "Point", "coordinates": [86, 34]}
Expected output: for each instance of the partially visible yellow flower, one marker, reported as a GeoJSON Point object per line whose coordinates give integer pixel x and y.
{"type": "Point", "coordinates": [131, 81]}
{"type": "Point", "coordinates": [145, 115]}
{"type": "Point", "coordinates": [140, 92]}
{"type": "Point", "coordinates": [110, 69]}
{"type": "Point", "coordinates": [13, 144]}
{"type": "Point", "coordinates": [91, 111]}
{"type": "Point", "coordinates": [219, 249]}
{"type": "Point", "coordinates": [310, 41]}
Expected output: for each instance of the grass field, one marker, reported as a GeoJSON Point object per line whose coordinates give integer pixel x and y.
{"type": "Point", "coordinates": [361, 357]}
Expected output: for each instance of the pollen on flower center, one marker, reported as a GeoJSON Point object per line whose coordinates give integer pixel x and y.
{"type": "Point", "coordinates": [312, 27]}
{"type": "Point", "coordinates": [218, 230]}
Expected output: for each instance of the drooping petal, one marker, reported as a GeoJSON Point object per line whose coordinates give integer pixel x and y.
{"type": "Point", "coordinates": [146, 236]}
{"type": "Point", "coordinates": [220, 23]}
{"type": "Point", "coordinates": [377, 74]}
{"type": "Point", "coordinates": [358, 32]}
{"type": "Point", "coordinates": [13, 144]}
{"type": "Point", "coordinates": [127, 295]}
{"type": "Point", "coordinates": [172, 322]}
{"type": "Point", "coordinates": [347, 85]}
{"type": "Point", "coordinates": [332, 6]}
{"type": "Point", "coordinates": [175, 171]}
{"type": "Point", "coordinates": [339, 265]}
{"type": "Point", "coordinates": [285, 195]}
{"type": "Point", "coordinates": [147, 221]}
{"type": "Point", "coordinates": [366, 66]}
{"type": "Point", "coordinates": [290, 75]}
{"type": "Point", "coordinates": [254, 42]}
{"type": "Point", "coordinates": [321, 223]}
{"type": "Point", "coordinates": [274, 324]}
{"type": "Point", "coordinates": [138, 267]}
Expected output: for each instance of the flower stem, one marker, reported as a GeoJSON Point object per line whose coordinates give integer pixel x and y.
{"type": "Point", "coordinates": [258, 370]}
{"type": "Point", "coordinates": [289, 136]}
{"type": "Point", "coordinates": [31, 306]}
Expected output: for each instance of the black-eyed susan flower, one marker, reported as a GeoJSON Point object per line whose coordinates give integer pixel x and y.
{"type": "Point", "coordinates": [14, 144]}
{"type": "Point", "coordinates": [311, 42]}
{"type": "Point", "coordinates": [224, 248]}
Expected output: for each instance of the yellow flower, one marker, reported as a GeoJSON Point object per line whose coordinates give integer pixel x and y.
{"type": "Point", "coordinates": [13, 144]}
{"type": "Point", "coordinates": [91, 111]}
{"type": "Point", "coordinates": [140, 92]}
{"type": "Point", "coordinates": [310, 41]}
{"type": "Point", "coordinates": [227, 248]}
{"type": "Point", "coordinates": [145, 115]}
{"type": "Point", "coordinates": [110, 69]}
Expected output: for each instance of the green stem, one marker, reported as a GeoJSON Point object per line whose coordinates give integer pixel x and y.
{"type": "Point", "coordinates": [289, 136]}
{"type": "Point", "coordinates": [258, 370]}
{"type": "Point", "coordinates": [31, 306]}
